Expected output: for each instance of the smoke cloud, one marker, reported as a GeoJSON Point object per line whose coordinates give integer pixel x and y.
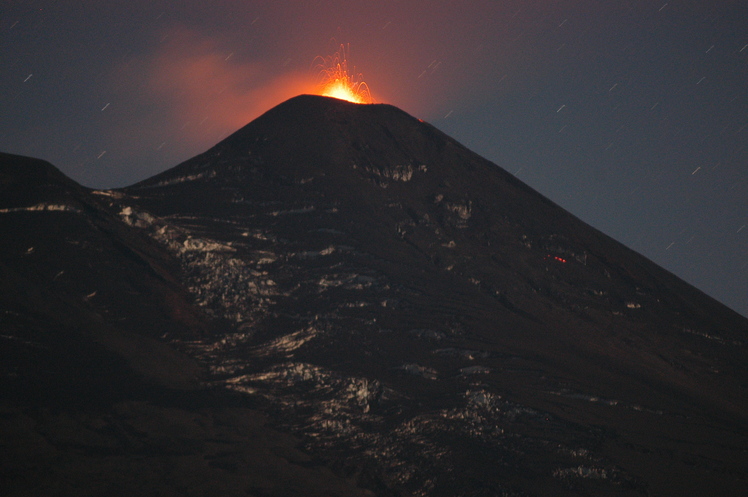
{"type": "Point", "coordinates": [190, 92]}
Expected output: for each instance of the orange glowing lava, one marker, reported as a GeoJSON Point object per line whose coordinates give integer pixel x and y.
{"type": "Point", "coordinates": [337, 82]}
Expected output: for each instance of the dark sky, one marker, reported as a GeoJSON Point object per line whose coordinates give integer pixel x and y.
{"type": "Point", "coordinates": [633, 115]}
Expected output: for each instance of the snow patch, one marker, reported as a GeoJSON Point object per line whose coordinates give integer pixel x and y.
{"type": "Point", "coordinates": [591, 473]}
{"type": "Point", "coordinates": [471, 370]}
{"type": "Point", "coordinates": [464, 211]}
{"type": "Point", "coordinates": [264, 257]}
{"type": "Point", "coordinates": [313, 254]}
{"type": "Point", "coordinates": [463, 353]}
{"type": "Point", "coordinates": [346, 281]}
{"type": "Point", "coordinates": [396, 172]}
{"type": "Point", "coordinates": [710, 336]}
{"type": "Point", "coordinates": [42, 208]}
{"type": "Point", "coordinates": [203, 245]}
{"type": "Point", "coordinates": [290, 212]}
{"type": "Point", "coordinates": [109, 193]}
{"type": "Point", "coordinates": [183, 179]}
{"type": "Point", "coordinates": [288, 374]}
{"type": "Point", "coordinates": [288, 343]}
{"type": "Point", "coordinates": [135, 218]}
{"type": "Point", "coordinates": [418, 370]}
{"type": "Point", "coordinates": [224, 285]}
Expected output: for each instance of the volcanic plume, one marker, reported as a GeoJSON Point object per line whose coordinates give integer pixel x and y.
{"type": "Point", "coordinates": [340, 299]}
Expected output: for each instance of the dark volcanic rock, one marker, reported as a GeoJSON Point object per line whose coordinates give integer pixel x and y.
{"type": "Point", "coordinates": [424, 322]}
{"type": "Point", "coordinates": [94, 401]}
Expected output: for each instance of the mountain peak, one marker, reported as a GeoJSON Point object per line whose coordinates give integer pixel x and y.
{"type": "Point", "coordinates": [310, 131]}
{"type": "Point", "coordinates": [416, 314]}
{"type": "Point", "coordinates": [312, 136]}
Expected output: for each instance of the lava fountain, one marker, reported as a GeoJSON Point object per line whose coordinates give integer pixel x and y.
{"type": "Point", "coordinates": [338, 82]}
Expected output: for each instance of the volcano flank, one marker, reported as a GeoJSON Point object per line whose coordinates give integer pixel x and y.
{"type": "Point", "coordinates": [339, 299]}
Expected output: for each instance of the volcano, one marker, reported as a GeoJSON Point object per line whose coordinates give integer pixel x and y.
{"type": "Point", "coordinates": [339, 299]}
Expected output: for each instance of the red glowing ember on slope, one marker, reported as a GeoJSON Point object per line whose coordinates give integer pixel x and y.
{"type": "Point", "coordinates": [338, 82]}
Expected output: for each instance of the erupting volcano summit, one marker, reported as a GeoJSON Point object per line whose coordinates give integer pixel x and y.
{"type": "Point", "coordinates": [339, 299]}
{"type": "Point", "coordinates": [337, 81]}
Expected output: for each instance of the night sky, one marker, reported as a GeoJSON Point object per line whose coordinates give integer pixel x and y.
{"type": "Point", "coordinates": [633, 115]}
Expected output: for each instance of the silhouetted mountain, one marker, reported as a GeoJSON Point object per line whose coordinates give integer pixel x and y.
{"type": "Point", "coordinates": [422, 321]}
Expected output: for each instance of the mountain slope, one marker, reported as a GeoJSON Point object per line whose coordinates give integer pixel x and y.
{"type": "Point", "coordinates": [381, 247]}
{"type": "Point", "coordinates": [428, 324]}
{"type": "Point", "coordinates": [92, 401]}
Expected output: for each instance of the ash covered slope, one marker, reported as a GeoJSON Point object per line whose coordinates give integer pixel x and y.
{"type": "Point", "coordinates": [66, 265]}
{"type": "Point", "coordinates": [410, 308]}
